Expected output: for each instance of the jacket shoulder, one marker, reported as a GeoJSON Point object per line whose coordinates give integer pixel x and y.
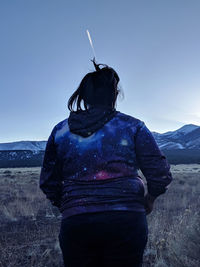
{"type": "Point", "coordinates": [61, 124]}
{"type": "Point", "coordinates": [130, 119]}
{"type": "Point", "coordinates": [60, 128]}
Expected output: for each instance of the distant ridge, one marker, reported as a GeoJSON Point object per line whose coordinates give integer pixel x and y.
{"type": "Point", "coordinates": [179, 146]}
{"type": "Point", "coordinates": [24, 145]}
{"type": "Point", "coordinates": [186, 137]}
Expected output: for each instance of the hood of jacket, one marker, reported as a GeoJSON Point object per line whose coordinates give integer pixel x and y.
{"type": "Point", "coordinates": [86, 122]}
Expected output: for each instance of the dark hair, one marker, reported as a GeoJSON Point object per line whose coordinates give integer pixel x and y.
{"type": "Point", "coordinates": [97, 88]}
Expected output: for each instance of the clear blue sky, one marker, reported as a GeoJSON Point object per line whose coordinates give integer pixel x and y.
{"type": "Point", "coordinates": [154, 45]}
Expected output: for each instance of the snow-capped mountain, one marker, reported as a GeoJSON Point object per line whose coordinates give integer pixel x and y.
{"type": "Point", "coordinates": [180, 146]}
{"type": "Point", "coordinates": [24, 145]}
{"type": "Point", "coordinates": [186, 137]}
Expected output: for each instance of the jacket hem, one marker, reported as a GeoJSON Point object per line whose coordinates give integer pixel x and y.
{"type": "Point", "coordinates": [101, 208]}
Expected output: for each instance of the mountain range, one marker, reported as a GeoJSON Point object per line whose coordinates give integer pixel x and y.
{"type": "Point", "coordinates": [186, 137]}
{"type": "Point", "coordinates": [179, 146]}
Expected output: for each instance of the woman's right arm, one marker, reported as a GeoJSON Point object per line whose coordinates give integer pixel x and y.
{"type": "Point", "coordinates": [153, 164]}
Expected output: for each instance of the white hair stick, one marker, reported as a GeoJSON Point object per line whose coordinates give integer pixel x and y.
{"type": "Point", "coordinates": [90, 40]}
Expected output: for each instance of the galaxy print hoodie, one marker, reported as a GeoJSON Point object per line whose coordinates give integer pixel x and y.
{"type": "Point", "coordinates": [92, 159]}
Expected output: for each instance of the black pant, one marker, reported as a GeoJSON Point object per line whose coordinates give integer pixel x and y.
{"type": "Point", "coordinates": [110, 238]}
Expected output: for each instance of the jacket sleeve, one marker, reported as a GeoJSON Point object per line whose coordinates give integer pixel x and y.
{"type": "Point", "coordinates": [152, 162]}
{"type": "Point", "coordinates": [50, 179]}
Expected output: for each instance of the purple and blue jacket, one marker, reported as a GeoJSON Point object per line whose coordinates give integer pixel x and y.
{"type": "Point", "coordinates": [92, 159]}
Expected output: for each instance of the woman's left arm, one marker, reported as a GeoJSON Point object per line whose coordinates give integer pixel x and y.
{"type": "Point", "coordinates": [50, 178]}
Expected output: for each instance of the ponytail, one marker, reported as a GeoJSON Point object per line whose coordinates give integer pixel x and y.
{"type": "Point", "coordinates": [96, 88]}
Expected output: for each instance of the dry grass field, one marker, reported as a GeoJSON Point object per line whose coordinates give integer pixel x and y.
{"type": "Point", "coordinates": [30, 225]}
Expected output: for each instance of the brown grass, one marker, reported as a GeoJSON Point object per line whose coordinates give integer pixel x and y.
{"type": "Point", "coordinates": [30, 225]}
